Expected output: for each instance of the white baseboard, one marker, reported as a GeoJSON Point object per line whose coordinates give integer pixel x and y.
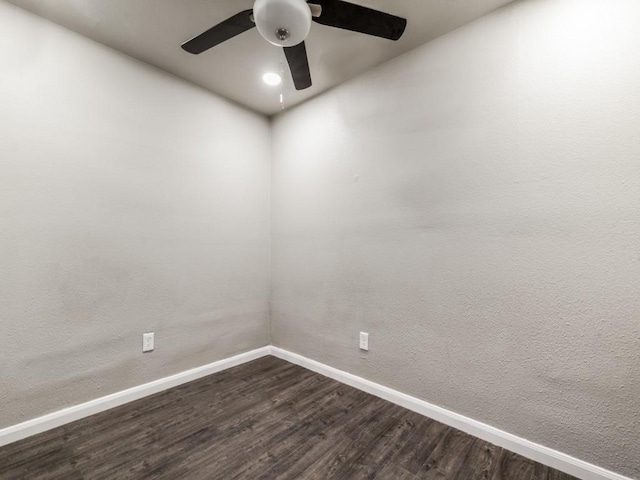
{"type": "Point", "coordinates": [71, 414]}
{"type": "Point", "coordinates": [539, 453]}
{"type": "Point", "coordinates": [526, 448]}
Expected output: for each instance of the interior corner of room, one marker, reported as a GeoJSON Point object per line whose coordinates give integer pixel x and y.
{"type": "Point", "coordinates": [451, 224]}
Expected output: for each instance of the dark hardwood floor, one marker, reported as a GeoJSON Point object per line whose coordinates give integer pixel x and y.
{"type": "Point", "coordinates": [267, 419]}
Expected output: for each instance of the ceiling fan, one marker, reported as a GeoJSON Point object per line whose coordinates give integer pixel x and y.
{"type": "Point", "coordinates": [286, 23]}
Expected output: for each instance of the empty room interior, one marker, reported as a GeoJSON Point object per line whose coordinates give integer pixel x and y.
{"type": "Point", "coordinates": [280, 239]}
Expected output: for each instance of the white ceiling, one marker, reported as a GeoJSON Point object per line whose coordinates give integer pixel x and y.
{"type": "Point", "coordinates": [153, 30]}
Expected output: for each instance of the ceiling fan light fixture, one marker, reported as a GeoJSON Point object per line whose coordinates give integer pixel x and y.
{"type": "Point", "coordinates": [285, 23]}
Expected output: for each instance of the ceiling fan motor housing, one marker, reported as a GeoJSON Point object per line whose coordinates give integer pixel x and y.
{"type": "Point", "coordinates": [285, 23]}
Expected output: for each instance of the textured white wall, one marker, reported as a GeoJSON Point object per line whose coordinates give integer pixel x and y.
{"type": "Point", "coordinates": [475, 206]}
{"type": "Point", "coordinates": [129, 201]}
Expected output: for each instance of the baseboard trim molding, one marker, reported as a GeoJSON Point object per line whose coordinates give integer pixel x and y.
{"type": "Point", "coordinates": [539, 453]}
{"type": "Point", "coordinates": [62, 417]}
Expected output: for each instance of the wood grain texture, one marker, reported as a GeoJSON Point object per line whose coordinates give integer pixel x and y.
{"type": "Point", "coordinates": [267, 419]}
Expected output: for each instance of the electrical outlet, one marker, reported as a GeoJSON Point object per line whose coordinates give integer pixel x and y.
{"type": "Point", "coordinates": [364, 341]}
{"type": "Point", "coordinates": [148, 342]}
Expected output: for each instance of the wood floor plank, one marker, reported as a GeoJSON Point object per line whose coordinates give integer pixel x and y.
{"type": "Point", "coordinates": [382, 451]}
{"type": "Point", "coordinates": [448, 457]}
{"type": "Point", "coordinates": [393, 472]}
{"type": "Point", "coordinates": [241, 415]}
{"type": "Point", "coordinates": [480, 462]}
{"type": "Point", "coordinates": [298, 428]}
{"type": "Point", "coordinates": [234, 445]}
{"type": "Point", "coordinates": [324, 466]}
{"type": "Point", "coordinates": [557, 475]}
{"type": "Point", "coordinates": [301, 462]}
{"type": "Point", "coordinates": [264, 420]}
{"type": "Point", "coordinates": [319, 432]}
{"type": "Point", "coordinates": [424, 439]}
{"type": "Point", "coordinates": [365, 433]}
{"type": "Point", "coordinates": [516, 466]}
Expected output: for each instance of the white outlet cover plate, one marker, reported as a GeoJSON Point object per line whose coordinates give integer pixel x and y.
{"type": "Point", "coordinates": [364, 341]}
{"type": "Point", "coordinates": [148, 342]}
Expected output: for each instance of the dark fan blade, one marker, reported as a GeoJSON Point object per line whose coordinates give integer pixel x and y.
{"type": "Point", "coordinates": [231, 27]}
{"type": "Point", "coordinates": [299, 65]}
{"type": "Point", "coordinates": [336, 13]}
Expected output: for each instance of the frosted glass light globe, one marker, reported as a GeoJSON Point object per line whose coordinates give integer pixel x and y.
{"type": "Point", "coordinates": [272, 79]}
{"type": "Point", "coordinates": [282, 22]}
